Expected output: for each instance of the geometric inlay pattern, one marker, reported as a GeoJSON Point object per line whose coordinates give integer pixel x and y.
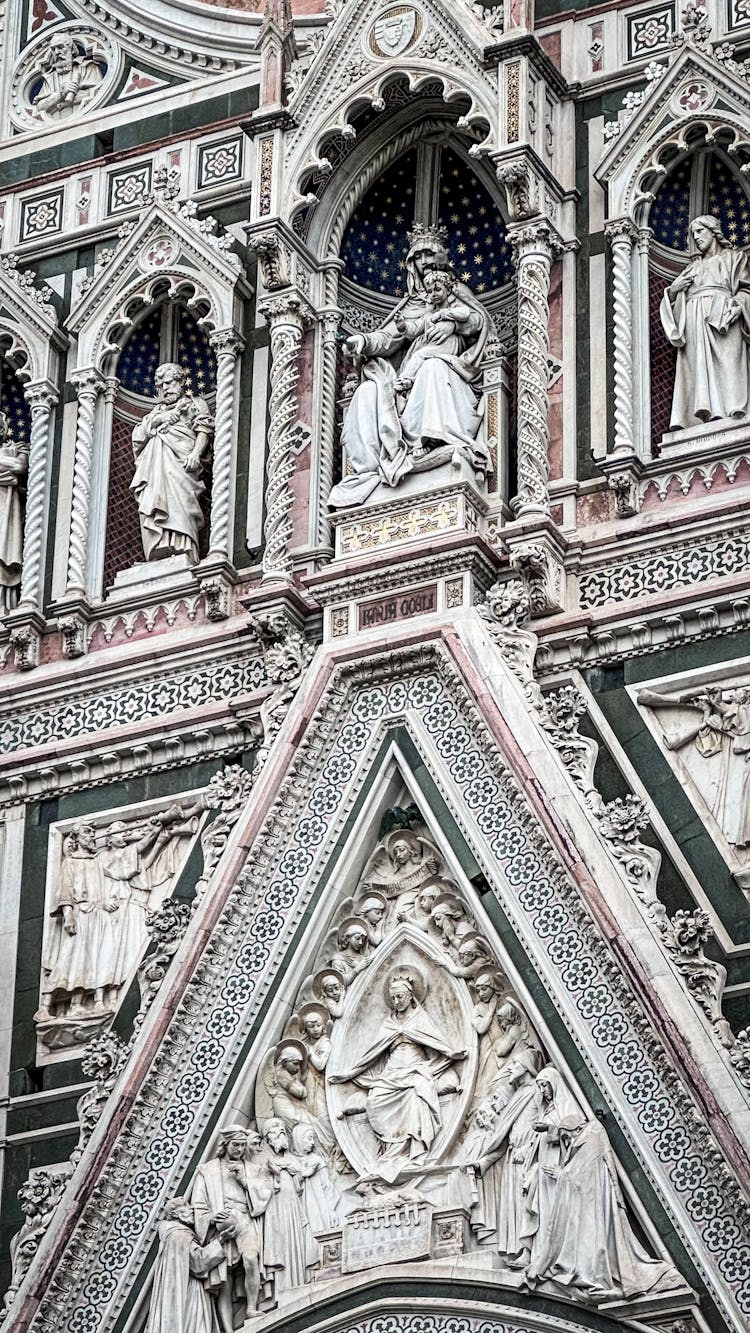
{"type": "Point", "coordinates": [173, 1111]}
{"type": "Point", "coordinates": [677, 567]}
{"type": "Point", "coordinates": [120, 705]}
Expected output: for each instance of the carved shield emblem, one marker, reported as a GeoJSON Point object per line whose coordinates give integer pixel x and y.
{"type": "Point", "coordinates": [394, 31]}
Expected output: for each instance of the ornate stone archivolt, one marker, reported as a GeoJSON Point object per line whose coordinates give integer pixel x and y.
{"type": "Point", "coordinates": [168, 1114]}
{"type": "Point", "coordinates": [701, 98]}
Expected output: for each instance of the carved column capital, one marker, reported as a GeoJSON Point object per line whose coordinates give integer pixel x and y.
{"type": "Point", "coordinates": [620, 231]}
{"type": "Point", "coordinates": [227, 342]}
{"type": "Point", "coordinates": [290, 310]}
{"type": "Point", "coordinates": [537, 238]}
{"type": "Point", "coordinates": [41, 395]}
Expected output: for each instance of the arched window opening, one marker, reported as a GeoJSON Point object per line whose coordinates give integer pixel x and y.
{"type": "Point", "coordinates": [705, 182]}
{"type": "Point", "coordinates": [168, 333]}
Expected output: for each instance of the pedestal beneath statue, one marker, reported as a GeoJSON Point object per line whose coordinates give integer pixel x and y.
{"type": "Point", "coordinates": [424, 505]}
{"type": "Point", "coordinates": [173, 570]}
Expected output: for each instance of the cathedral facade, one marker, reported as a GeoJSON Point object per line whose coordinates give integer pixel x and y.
{"type": "Point", "coordinates": [374, 611]}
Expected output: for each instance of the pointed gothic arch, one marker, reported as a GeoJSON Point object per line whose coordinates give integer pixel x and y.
{"type": "Point", "coordinates": [698, 103]}
{"type": "Point", "coordinates": [548, 887]}
{"type": "Point", "coordinates": [169, 256]}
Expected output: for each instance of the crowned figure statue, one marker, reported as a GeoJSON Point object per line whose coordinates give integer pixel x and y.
{"type": "Point", "coordinates": [417, 402]}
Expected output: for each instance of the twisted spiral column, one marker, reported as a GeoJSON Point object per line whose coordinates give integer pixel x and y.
{"type": "Point", "coordinates": [286, 322]}
{"type": "Point", "coordinates": [89, 387]}
{"type": "Point", "coordinates": [621, 235]}
{"type": "Point", "coordinates": [41, 399]}
{"type": "Point", "coordinates": [227, 346]}
{"type": "Point", "coordinates": [534, 248]}
{"type": "Point", "coordinates": [331, 320]}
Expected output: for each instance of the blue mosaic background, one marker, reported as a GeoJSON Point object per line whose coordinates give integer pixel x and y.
{"type": "Point", "coordinates": [375, 242]}
{"type": "Point", "coordinates": [670, 212]}
{"type": "Point", "coordinates": [13, 403]}
{"type": "Point", "coordinates": [140, 357]}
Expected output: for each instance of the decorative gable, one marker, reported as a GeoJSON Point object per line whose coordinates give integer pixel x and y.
{"type": "Point", "coordinates": [697, 89]}
{"type": "Point", "coordinates": [169, 248]}
{"type": "Point", "coordinates": [432, 745]}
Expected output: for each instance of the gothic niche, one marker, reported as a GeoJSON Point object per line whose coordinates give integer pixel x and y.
{"type": "Point", "coordinates": [104, 876]}
{"type": "Point", "coordinates": [160, 465]}
{"type": "Point", "coordinates": [700, 322]}
{"type": "Point", "coordinates": [422, 303]}
{"type": "Point", "coordinates": [15, 429]}
{"type": "Point", "coordinates": [408, 1111]}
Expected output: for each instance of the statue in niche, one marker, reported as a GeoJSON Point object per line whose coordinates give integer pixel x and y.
{"type": "Point", "coordinates": [432, 1090]}
{"type": "Point", "coordinates": [404, 1072]}
{"type": "Point", "coordinates": [71, 72]}
{"type": "Point", "coordinates": [229, 1196]}
{"type": "Point", "coordinates": [705, 313]}
{"type": "Point", "coordinates": [417, 403]}
{"type": "Point", "coordinates": [169, 446]}
{"type": "Point", "coordinates": [180, 1301]}
{"type": "Point", "coordinates": [14, 464]}
{"type": "Point", "coordinates": [109, 878]}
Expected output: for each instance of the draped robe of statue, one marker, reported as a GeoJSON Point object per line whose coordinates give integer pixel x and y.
{"type": "Point", "coordinates": [83, 961]}
{"type": "Point", "coordinates": [179, 1301]}
{"type": "Point", "coordinates": [14, 459]}
{"type": "Point", "coordinates": [590, 1245]}
{"type": "Point", "coordinates": [383, 427]}
{"type": "Point", "coordinates": [286, 1246]}
{"type": "Point", "coordinates": [167, 494]}
{"type": "Point", "coordinates": [560, 1108]}
{"type": "Point", "coordinates": [120, 867]}
{"type": "Point", "coordinates": [402, 1094]}
{"type": "Point", "coordinates": [712, 378]}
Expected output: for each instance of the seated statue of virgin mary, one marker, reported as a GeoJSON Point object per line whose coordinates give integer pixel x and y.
{"type": "Point", "coordinates": [418, 395]}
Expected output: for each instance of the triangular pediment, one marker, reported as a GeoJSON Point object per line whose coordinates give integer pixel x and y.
{"type": "Point", "coordinates": [28, 315]}
{"type": "Point", "coordinates": [695, 88]}
{"type": "Point", "coordinates": [434, 744]}
{"type": "Point", "coordinates": [371, 43]}
{"type": "Point", "coordinates": [169, 246]}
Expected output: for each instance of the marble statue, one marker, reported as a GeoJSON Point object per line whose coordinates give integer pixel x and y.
{"type": "Point", "coordinates": [287, 1247]}
{"type": "Point", "coordinates": [14, 463]}
{"type": "Point", "coordinates": [705, 313]}
{"type": "Point", "coordinates": [589, 1245]}
{"type": "Point", "coordinates": [109, 877]}
{"type": "Point", "coordinates": [69, 72]}
{"type": "Point", "coordinates": [404, 1071]}
{"type": "Point", "coordinates": [417, 403]}
{"type": "Point", "coordinates": [169, 446]}
{"type": "Point", "coordinates": [409, 1089]}
{"type": "Point", "coordinates": [229, 1196]}
{"type": "Point", "coordinates": [180, 1301]}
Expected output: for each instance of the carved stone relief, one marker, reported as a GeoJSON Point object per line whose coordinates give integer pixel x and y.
{"type": "Point", "coordinates": [62, 75]}
{"type": "Point", "coordinates": [407, 1111]}
{"type": "Point", "coordinates": [416, 405]}
{"type": "Point", "coordinates": [704, 732]}
{"type": "Point", "coordinates": [105, 877]}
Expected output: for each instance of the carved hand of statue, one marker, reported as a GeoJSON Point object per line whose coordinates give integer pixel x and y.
{"type": "Point", "coordinates": [193, 462]}
{"type": "Point", "coordinates": [403, 385]}
{"type": "Point", "coordinates": [226, 1225]}
{"type": "Point", "coordinates": [354, 345]}
{"type": "Point", "coordinates": [730, 316]}
{"type": "Point", "coordinates": [682, 282]}
{"type": "Point", "coordinates": [458, 1055]}
{"type": "Point", "coordinates": [69, 922]}
{"type": "Point", "coordinates": [112, 906]}
{"type": "Point", "coordinates": [338, 1078]}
